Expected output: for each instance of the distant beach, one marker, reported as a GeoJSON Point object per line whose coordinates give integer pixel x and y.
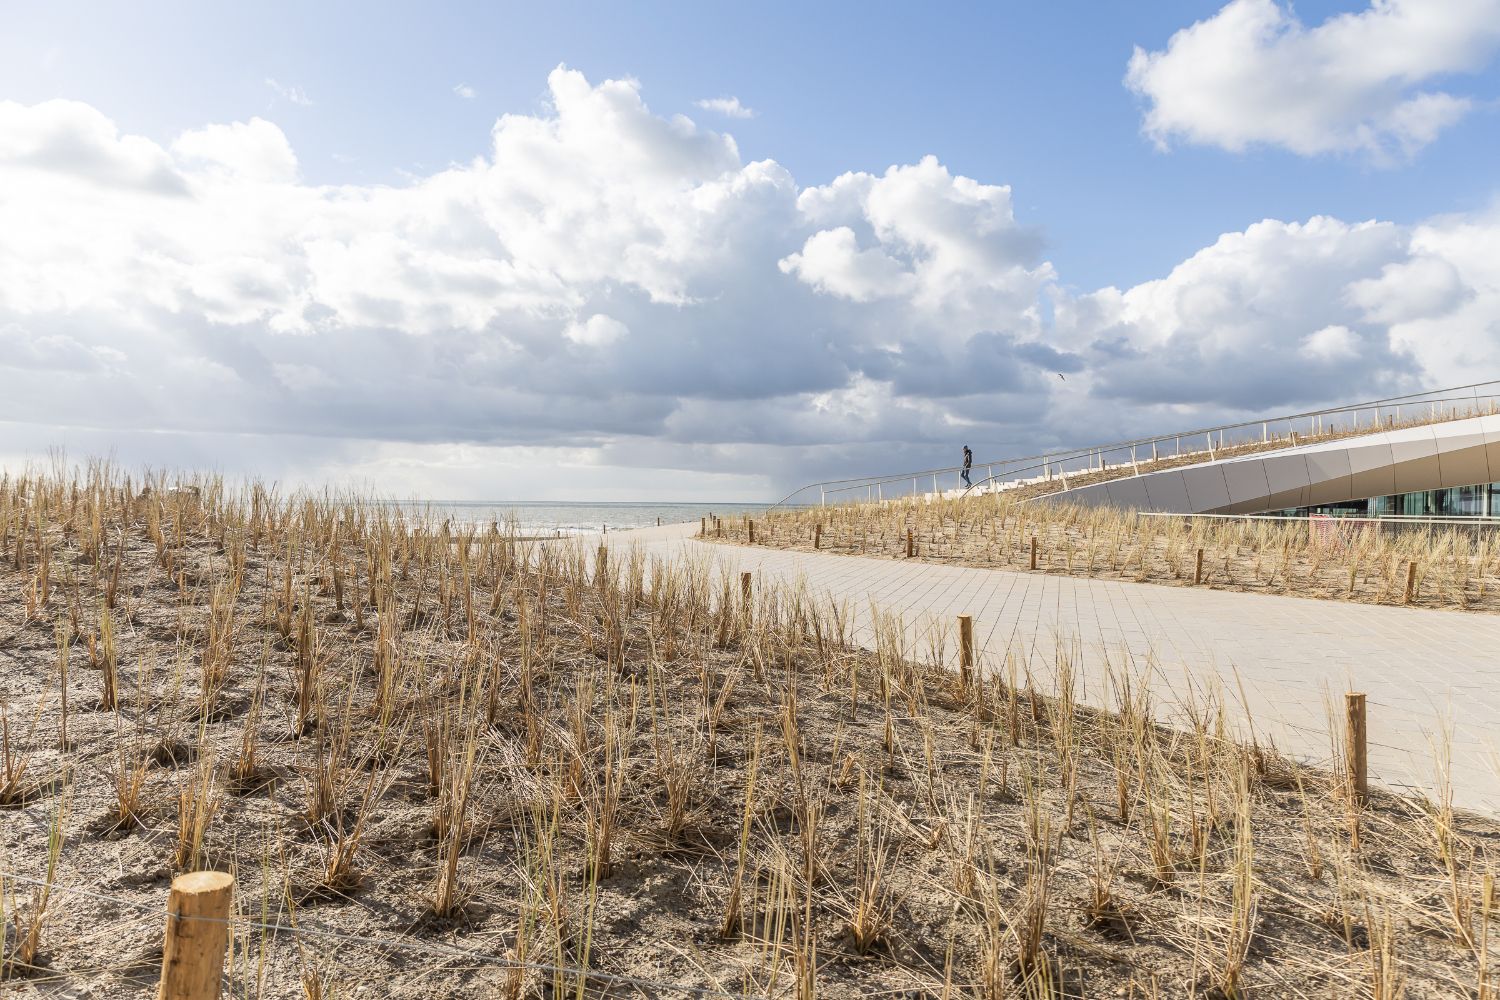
{"type": "Point", "coordinates": [549, 517]}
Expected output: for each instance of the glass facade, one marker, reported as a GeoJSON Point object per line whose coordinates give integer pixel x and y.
{"type": "Point", "coordinates": [1459, 501]}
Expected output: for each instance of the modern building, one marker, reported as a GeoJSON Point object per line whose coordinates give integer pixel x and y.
{"type": "Point", "coordinates": [1443, 469]}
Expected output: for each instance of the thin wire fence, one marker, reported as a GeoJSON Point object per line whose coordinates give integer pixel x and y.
{"type": "Point", "coordinates": [410, 945]}
{"type": "Point", "coordinates": [1326, 528]}
{"type": "Point", "coordinates": [1467, 520]}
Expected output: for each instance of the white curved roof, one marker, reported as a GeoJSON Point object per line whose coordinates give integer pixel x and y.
{"type": "Point", "coordinates": [1429, 457]}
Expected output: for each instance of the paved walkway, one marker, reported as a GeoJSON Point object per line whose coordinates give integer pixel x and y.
{"type": "Point", "coordinates": [1425, 672]}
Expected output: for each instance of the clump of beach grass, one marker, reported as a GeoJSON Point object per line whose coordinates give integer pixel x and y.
{"type": "Point", "coordinates": [578, 763]}
{"type": "Point", "coordinates": [1438, 567]}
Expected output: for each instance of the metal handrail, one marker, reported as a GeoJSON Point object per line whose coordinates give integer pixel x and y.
{"type": "Point", "coordinates": [1212, 452]}
{"type": "Point", "coordinates": [1060, 458]}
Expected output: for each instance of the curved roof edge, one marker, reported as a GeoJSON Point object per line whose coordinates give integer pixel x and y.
{"type": "Point", "coordinates": [1433, 456]}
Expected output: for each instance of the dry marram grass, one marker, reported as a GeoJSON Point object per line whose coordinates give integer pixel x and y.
{"type": "Point", "coordinates": [578, 765]}
{"type": "Point", "coordinates": [1447, 567]}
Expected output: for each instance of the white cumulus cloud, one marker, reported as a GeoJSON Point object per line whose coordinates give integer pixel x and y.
{"type": "Point", "coordinates": [464, 90]}
{"type": "Point", "coordinates": [289, 92]}
{"type": "Point", "coordinates": [624, 287]}
{"type": "Point", "coordinates": [253, 150]}
{"type": "Point", "coordinates": [598, 330]}
{"type": "Point", "coordinates": [1254, 74]}
{"type": "Point", "coordinates": [948, 246]}
{"type": "Point", "coordinates": [1290, 312]}
{"type": "Point", "coordinates": [729, 107]}
{"type": "Point", "coordinates": [1332, 343]}
{"type": "Point", "coordinates": [832, 261]}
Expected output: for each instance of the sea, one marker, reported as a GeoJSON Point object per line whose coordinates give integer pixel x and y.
{"type": "Point", "coordinates": [553, 518]}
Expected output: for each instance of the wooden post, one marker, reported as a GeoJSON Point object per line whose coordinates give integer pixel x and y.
{"type": "Point", "coordinates": [192, 960]}
{"type": "Point", "coordinates": [910, 548]}
{"type": "Point", "coordinates": [1411, 582]}
{"type": "Point", "coordinates": [751, 525]}
{"type": "Point", "coordinates": [745, 588]}
{"type": "Point", "coordinates": [63, 639]}
{"type": "Point", "coordinates": [1198, 570]}
{"type": "Point", "coordinates": [818, 535]}
{"type": "Point", "coordinates": [1354, 751]}
{"type": "Point", "coordinates": [702, 527]}
{"type": "Point", "coordinates": [1033, 552]}
{"type": "Point", "coordinates": [965, 650]}
{"type": "Point", "coordinates": [601, 563]}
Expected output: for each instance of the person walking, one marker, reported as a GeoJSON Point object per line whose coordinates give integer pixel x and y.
{"type": "Point", "coordinates": [968, 461]}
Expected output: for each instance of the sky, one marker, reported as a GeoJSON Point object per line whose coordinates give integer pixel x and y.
{"type": "Point", "coordinates": [659, 251]}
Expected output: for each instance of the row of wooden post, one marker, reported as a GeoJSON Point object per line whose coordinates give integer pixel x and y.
{"type": "Point", "coordinates": [1355, 741]}
{"type": "Point", "coordinates": [1355, 747]}
{"type": "Point", "coordinates": [197, 934]}
{"type": "Point", "coordinates": [192, 960]}
{"type": "Point", "coordinates": [1357, 759]}
{"type": "Point", "coordinates": [1407, 597]}
{"type": "Point", "coordinates": [1197, 570]}
{"type": "Point", "coordinates": [911, 550]}
{"type": "Point", "coordinates": [1356, 755]}
{"type": "Point", "coordinates": [719, 527]}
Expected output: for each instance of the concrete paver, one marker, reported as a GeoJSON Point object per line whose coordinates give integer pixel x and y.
{"type": "Point", "coordinates": [1430, 676]}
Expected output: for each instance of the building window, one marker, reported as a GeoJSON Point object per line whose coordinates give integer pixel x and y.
{"type": "Point", "coordinates": [1458, 501]}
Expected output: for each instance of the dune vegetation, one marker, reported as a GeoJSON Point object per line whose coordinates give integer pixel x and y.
{"type": "Point", "coordinates": [1438, 567]}
{"type": "Point", "coordinates": [442, 761]}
